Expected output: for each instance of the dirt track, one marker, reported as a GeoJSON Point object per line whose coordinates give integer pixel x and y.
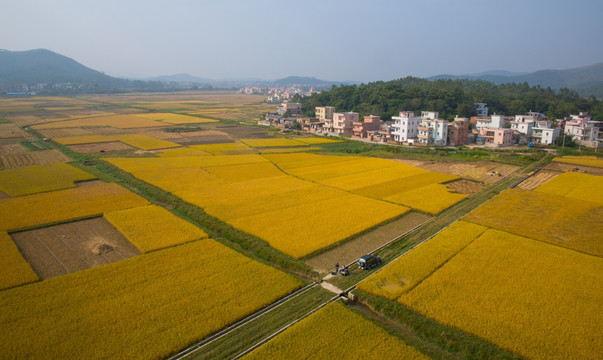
{"type": "Point", "coordinates": [66, 248]}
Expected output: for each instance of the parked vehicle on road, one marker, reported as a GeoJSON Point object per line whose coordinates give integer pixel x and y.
{"type": "Point", "coordinates": [369, 261]}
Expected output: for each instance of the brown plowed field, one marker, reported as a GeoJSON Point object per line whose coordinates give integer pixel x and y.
{"type": "Point", "coordinates": [563, 167]}
{"type": "Point", "coordinates": [17, 160]}
{"type": "Point", "coordinates": [465, 187]}
{"type": "Point", "coordinates": [479, 171]}
{"type": "Point", "coordinates": [12, 148]}
{"type": "Point", "coordinates": [350, 251]}
{"type": "Point", "coordinates": [94, 148]}
{"type": "Point", "coordinates": [537, 179]}
{"type": "Point", "coordinates": [66, 248]}
{"type": "Point", "coordinates": [55, 133]}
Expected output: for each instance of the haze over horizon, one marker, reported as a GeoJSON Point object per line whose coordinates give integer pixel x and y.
{"type": "Point", "coordinates": [330, 40]}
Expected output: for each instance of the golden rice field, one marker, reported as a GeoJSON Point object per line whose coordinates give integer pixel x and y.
{"type": "Point", "coordinates": [14, 269]}
{"type": "Point", "coordinates": [260, 194]}
{"type": "Point", "coordinates": [288, 150]}
{"type": "Point", "coordinates": [116, 121]}
{"type": "Point", "coordinates": [335, 332]}
{"type": "Point", "coordinates": [272, 142]}
{"type": "Point", "coordinates": [137, 140]}
{"type": "Point", "coordinates": [562, 221]}
{"type": "Point", "coordinates": [146, 307]}
{"type": "Point", "coordinates": [64, 205]}
{"type": "Point", "coordinates": [152, 227]}
{"type": "Point", "coordinates": [576, 186]}
{"type": "Point", "coordinates": [41, 178]}
{"type": "Point", "coordinates": [175, 119]}
{"type": "Point", "coordinates": [432, 198]}
{"type": "Point", "coordinates": [581, 160]}
{"type": "Point", "coordinates": [183, 152]}
{"type": "Point", "coordinates": [301, 160]}
{"type": "Point", "coordinates": [235, 148]}
{"type": "Point", "coordinates": [405, 273]}
{"type": "Point", "coordinates": [532, 298]}
{"type": "Point", "coordinates": [316, 140]}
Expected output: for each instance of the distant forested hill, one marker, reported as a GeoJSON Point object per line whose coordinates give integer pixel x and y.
{"type": "Point", "coordinates": [586, 80]}
{"type": "Point", "coordinates": [450, 98]}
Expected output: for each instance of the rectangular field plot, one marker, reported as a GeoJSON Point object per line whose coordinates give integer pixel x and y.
{"type": "Point", "coordinates": [41, 178]}
{"type": "Point", "coordinates": [581, 160]}
{"type": "Point", "coordinates": [146, 307]}
{"type": "Point", "coordinates": [23, 159]}
{"type": "Point", "coordinates": [571, 223]}
{"type": "Point", "coordinates": [335, 332]}
{"type": "Point", "coordinates": [177, 119]}
{"type": "Point", "coordinates": [532, 298]}
{"type": "Point", "coordinates": [66, 248]}
{"type": "Point", "coordinates": [116, 121]}
{"type": "Point", "coordinates": [64, 205]}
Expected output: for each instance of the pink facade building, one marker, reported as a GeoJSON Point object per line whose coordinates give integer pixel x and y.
{"type": "Point", "coordinates": [371, 123]}
{"type": "Point", "coordinates": [343, 123]}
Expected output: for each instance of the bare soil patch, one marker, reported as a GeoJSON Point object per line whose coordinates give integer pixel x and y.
{"type": "Point", "coordinates": [245, 132]}
{"type": "Point", "coordinates": [12, 148]}
{"type": "Point", "coordinates": [66, 248]}
{"type": "Point", "coordinates": [465, 187]}
{"type": "Point", "coordinates": [100, 147]}
{"type": "Point", "coordinates": [55, 133]}
{"type": "Point", "coordinates": [105, 130]}
{"type": "Point", "coordinates": [203, 133]}
{"type": "Point", "coordinates": [537, 179]}
{"type": "Point", "coordinates": [17, 160]}
{"type": "Point", "coordinates": [563, 167]}
{"type": "Point", "coordinates": [350, 251]}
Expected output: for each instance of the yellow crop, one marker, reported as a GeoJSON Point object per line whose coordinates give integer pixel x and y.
{"type": "Point", "coordinates": [287, 150]}
{"type": "Point", "coordinates": [184, 152]}
{"type": "Point", "coordinates": [581, 160]}
{"type": "Point", "coordinates": [142, 164]}
{"type": "Point", "coordinates": [244, 172]}
{"type": "Point", "coordinates": [383, 189]}
{"type": "Point", "coordinates": [293, 161]}
{"type": "Point", "coordinates": [535, 299]}
{"type": "Point", "coordinates": [175, 118]}
{"type": "Point", "coordinates": [309, 227]}
{"type": "Point", "coordinates": [14, 269]}
{"type": "Point", "coordinates": [272, 142]}
{"type": "Point", "coordinates": [346, 167]}
{"type": "Point", "coordinates": [40, 178]}
{"type": "Point", "coordinates": [432, 199]}
{"type": "Point", "coordinates": [335, 332]}
{"type": "Point", "coordinates": [362, 179]}
{"type": "Point", "coordinates": [152, 227]}
{"type": "Point", "coordinates": [63, 205]}
{"type": "Point", "coordinates": [406, 272]}
{"type": "Point", "coordinates": [236, 148]}
{"type": "Point", "coordinates": [116, 121]}
{"type": "Point", "coordinates": [317, 140]}
{"type": "Point", "coordinates": [146, 307]}
{"type": "Point", "coordinates": [567, 222]}
{"type": "Point", "coordinates": [576, 186]}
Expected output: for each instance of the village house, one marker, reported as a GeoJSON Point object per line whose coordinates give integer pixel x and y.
{"type": "Point", "coordinates": [432, 130]}
{"type": "Point", "coordinates": [371, 123]}
{"type": "Point", "coordinates": [343, 123]}
{"type": "Point", "coordinates": [496, 137]}
{"type": "Point", "coordinates": [405, 126]}
{"type": "Point", "coordinates": [458, 131]}
{"type": "Point", "coordinates": [324, 112]}
{"type": "Point", "coordinates": [582, 129]}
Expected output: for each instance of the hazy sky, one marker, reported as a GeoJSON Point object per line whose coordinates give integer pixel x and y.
{"type": "Point", "coordinates": [329, 39]}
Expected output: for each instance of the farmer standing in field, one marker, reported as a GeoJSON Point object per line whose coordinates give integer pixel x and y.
{"type": "Point", "coordinates": [336, 268]}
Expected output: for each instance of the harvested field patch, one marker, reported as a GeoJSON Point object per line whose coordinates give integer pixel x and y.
{"type": "Point", "coordinates": [25, 120]}
{"type": "Point", "coordinates": [163, 135]}
{"type": "Point", "coordinates": [55, 133]}
{"type": "Point", "coordinates": [350, 251]}
{"type": "Point", "coordinates": [66, 248]}
{"type": "Point", "coordinates": [272, 142]}
{"type": "Point", "coordinates": [203, 140]}
{"type": "Point", "coordinates": [100, 147]}
{"type": "Point", "coordinates": [565, 167]}
{"type": "Point", "coordinates": [233, 148]}
{"type": "Point", "coordinates": [465, 187]}
{"type": "Point", "coordinates": [537, 179]}
{"type": "Point", "coordinates": [17, 160]}
{"type": "Point", "coordinates": [203, 133]}
{"type": "Point", "coordinates": [12, 131]}
{"type": "Point", "coordinates": [12, 148]}
{"type": "Point", "coordinates": [245, 132]}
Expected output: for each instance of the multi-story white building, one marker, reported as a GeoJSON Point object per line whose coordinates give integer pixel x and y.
{"type": "Point", "coordinates": [525, 123]}
{"type": "Point", "coordinates": [582, 129]}
{"type": "Point", "coordinates": [432, 130]}
{"type": "Point", "coordinates": [405, 126]}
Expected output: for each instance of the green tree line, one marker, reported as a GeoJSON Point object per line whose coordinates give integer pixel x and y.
{"type": "Point", "coordinates": [450, 98]}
